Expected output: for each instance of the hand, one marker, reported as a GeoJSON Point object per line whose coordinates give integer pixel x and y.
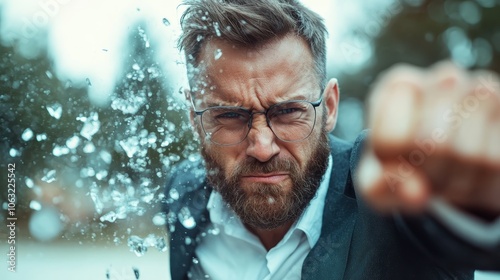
{"type": "Point", "coordinates": [435, 133]}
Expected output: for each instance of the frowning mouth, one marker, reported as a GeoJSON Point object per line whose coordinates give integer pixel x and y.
{"type": "Point", "coordinates": [268, 178]}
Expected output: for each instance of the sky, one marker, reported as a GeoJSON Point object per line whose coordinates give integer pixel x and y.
{"type": "Point", "coordinates": [87, 40]}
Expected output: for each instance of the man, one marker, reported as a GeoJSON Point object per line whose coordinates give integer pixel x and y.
{"type": "Point", "coordinates": [277, 197]}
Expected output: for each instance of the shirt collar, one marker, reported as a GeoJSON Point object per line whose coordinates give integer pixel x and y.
{"type": "Point", "coordinates": [310, 222]}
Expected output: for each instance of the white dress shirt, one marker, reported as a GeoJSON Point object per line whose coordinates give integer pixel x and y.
{"type": "Point", "coordinates": [227, 250]}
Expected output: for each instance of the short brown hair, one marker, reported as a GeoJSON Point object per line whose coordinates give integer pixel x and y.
{"type": "Point", "coordinates": [251, 23]}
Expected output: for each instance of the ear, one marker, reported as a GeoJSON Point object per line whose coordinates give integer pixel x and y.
{"type": "Point", "coordinates": [331, 97]}
{"type": "Point", "coordinates": [187, 95]}
{"type": "Point", "coordinates": [196, 128]}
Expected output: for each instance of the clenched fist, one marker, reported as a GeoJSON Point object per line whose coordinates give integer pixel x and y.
{"type": "Point", "coordinates": [435, 134]}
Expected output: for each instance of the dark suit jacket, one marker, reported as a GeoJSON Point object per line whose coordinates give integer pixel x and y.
{"type": "Point", "coordinates": [355, 242]}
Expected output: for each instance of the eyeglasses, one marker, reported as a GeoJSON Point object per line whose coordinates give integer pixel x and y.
{"type": "Point", "coordinates": [290, 121]}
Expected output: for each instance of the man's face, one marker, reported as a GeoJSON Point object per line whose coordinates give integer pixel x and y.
{"type": "Point", "coordinates": [266, 181]}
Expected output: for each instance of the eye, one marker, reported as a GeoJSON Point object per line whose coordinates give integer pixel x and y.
{"type": "Point", "coordinates": [229, 115]}
{"type": "Point", "coordinates": [289, 109]}
{"type": "Point", "coordinates": [284, 111]}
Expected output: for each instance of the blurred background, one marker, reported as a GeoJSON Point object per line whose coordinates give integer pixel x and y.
{"type": "Point", "coordinates": [92, 115]}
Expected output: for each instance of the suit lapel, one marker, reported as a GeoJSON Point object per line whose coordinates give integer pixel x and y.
{"type": "Point", "coordinates": [328, 258]}
{"type": "Point", "coordinates": [187, 217]}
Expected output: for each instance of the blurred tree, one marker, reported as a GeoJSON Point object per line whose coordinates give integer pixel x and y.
{"type": "Point", "coordinates": [425, 32]}
{"type": "Point", "coordinates": [94, 164]}
{"type": "Point", "coordinates": [147, 131]}
{"type": "Point", "coordinates": [33, 123]}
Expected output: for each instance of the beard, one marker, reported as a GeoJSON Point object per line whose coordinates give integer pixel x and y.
{"type": "Point", "coordinates": [269, 206]}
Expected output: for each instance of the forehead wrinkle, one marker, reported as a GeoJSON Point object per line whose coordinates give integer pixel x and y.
{"type": "Point", "coordinates": [246, 76]}
{"type": "Point", "coordinates": [252, 96]}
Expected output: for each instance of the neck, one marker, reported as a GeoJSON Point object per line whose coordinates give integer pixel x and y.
{"type": "Point", "coordinates": [270, 237]}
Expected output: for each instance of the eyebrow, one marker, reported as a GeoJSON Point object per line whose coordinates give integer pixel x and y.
{"type": "Point", "coordinates": [298, 97]}
{"type": "Point", "coordinates": [211, 104]}
{"type": "Point", "coordinates": [219, 104]}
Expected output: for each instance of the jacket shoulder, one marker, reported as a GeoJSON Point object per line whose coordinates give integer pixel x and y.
{"type": "Point", "coordinates": [186, 186]}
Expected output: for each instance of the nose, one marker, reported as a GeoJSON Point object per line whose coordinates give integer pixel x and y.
{"type": "Point", "coordinates": [262, 141]}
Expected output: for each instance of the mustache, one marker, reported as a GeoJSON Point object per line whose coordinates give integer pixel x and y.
{"type": "Point", "coordinates": [252, 166]}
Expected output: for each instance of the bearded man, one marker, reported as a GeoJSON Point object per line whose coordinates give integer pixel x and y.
{"type": "Point", "coordinates": [275, 196]}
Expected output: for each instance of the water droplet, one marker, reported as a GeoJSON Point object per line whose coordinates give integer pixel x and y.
{"type": "Point", "coordinates": [136, 245]}
{"type": "Point", "coordinates": [130, 103]}
{"type": "Point", "coordinates": [199, 38]}
{"type": "Point", "coordinates": [193, 157]}
{"type": "Point", "coordinates": [186, 218]}
{"type": "Point", "coordinates": [188, 241]}
{"type": "Point", "coordinates": [50, 176]}
{"type": "Point", "coordinates": [144, 36]}
{"type": "Point", "coordinates": [214, 231]}
{"type": "Point", "coordinates": [94, 195]}
{"type": "Point", "coordinates": [130, 146]}
{"type": "Point", "coordinates": [89, 148]}
{"type": "Point", "coordinates": [208, 137]}
{"type": "Point", "coordinates": [148, 197]}
{"type": "Point", "coordinates": [166, 22]}
{"type": "Point", "coordinates": [171, 228]}
{"type": "Point", "coordinates": [216, 28]}
{"type": "Point", "coordinates": [41, 137]}
{"type": "Point", "coordinates": [152, 138]}
{"type": "Point", "coordinates": [55, 110]}
{"type": "Point", "coordinates": [91, 125]}
{"type": "Point", "coordinates": [174, 157]}
{"type": "Point", "coordinates": [217, 54]}
{"type": "Point", "coordinates": [79, 183]}
{"type": "Point", "coordinates": [174, 194]}
{"type": "Point", "coordinates": [101, 174]}
{"type": "Point", "coordinates": [73, 142]}
{"type": "Point", "coordinates": [45, 225]}
{"type": "Point", "coordinates": [35, 205]}
{"type": "Point", "coordinates": [150, 240]}
{"type": "Point", "coordinates": [121, 211]}
{"type": "Point", "coordinates": [125, 273]}
{"type": "Point", "coordinates": [49, 74]}
{"type": "Point", "coordinates": [109, 217]}
{"type": "Point", "coordinates": [60, 150]}
{"type": "Point", "coordinates": [165, 143]}
{"type": "Point", "coordinates": [29, 183]}
{"type": "Point", "coordinates": [68, 84]}
{"type": "Point", "coordinates": [27, 134]}
{"type": "Point", "coordinates": [106, 156]}
{"type": "Point", "coordinates": [161, 244]}
{"type": "Point", "coordinates": [159, 219]}
{"type": "Point", "coordinates": [136, 67]}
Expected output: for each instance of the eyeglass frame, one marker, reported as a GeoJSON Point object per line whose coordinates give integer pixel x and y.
{"type": "Point", "coordinates": [251, 113]}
